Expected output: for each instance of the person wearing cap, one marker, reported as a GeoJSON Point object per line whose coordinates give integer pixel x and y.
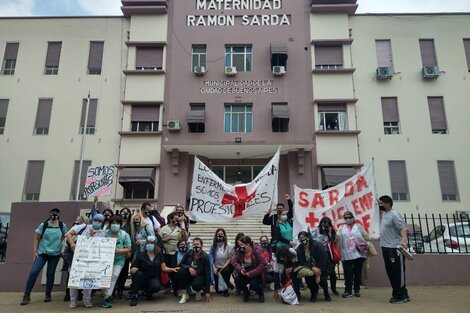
{"type": "Point", "coordinates": [146, 271]}
{"type": "Point", "coordinates": [93, 230]}
{"type": "Point", "coordinates": [47, 247]}
{"type": "Point", "coordinates": [351, 236]}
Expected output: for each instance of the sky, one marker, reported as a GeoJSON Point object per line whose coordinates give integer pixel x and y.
{"type": "Point", "coordinates": [113, 7]}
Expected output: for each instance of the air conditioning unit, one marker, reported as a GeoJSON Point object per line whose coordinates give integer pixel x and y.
{"type": "Point", "coordinates": [279, 70]}
{"type": "Point", "coordinates": [230, 70]}
{"type": "Point", "coordinates": [384, 72]}
{"type": "Point", "coordinates": [199, 70]}
{"type": "Point", "coordinates": [430, 72]}
{"type": "Point", "coordinates": [174, 125]}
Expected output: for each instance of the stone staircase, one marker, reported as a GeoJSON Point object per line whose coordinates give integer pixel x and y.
{"type": "Point", "coordinates": [251, 226]}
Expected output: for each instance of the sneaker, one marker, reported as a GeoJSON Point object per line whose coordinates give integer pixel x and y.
{"type": "Point", "coordinates": [347, 295]}
{"type": "Point", "coordinates": [327, 298]}
{"type": "Point", "coordinates": [313, 298]}
{"type": "Point", "coordinates": [357, 294]}
{"type": "Point", "coordinates": [184, 298]}
{"type": "Point", "coordinates": [335, 292]}
{"type": "Point", "coordinates": [66, 298]}
{"type": "Point", "coordinates": [73, 304]}
{"type": "Point", "coordinates": [47, 298]}
{"type": "Point", "coordinates": [108, 303]}
{"type": "Point", "coordinates": [26, 299]}
{"type": "Point", "coordinates": [198, 296]}
{"type": "Point", "coordinates": [134, 300]}
{"type": "Point", "coordinates": [87, 304]}
{"type": "Point", "coordinates": [261, 298]}
{"type": "Point", "coordinates": [397, 301]}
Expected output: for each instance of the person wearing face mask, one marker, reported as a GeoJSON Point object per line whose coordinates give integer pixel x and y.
{"type": "Point", "coordinates": [93, 230]}
{"type": "Point", "coordinates": [268, 257]}
{"type": "Point", "coordinates": [148, 218]}
{"type": "Point", "coordinates": [283, 231]}
{"type": "Point", "coordinates": [171, 233]}
{"type": "Point", "coordinates": [325, 233]}
{"type": "Point", "coordinates": [123, 247]}
{"type": "Point", "coordinates": [271, 220]}
{"type": "Point", "coordinates": [351, 237]}
{"type": "Point", "coordinates": [195, 271]}
{"type": "Point", "coordinates": [284, 264]}
{"type": "Point", "coordinates": [312, 265]}
{"type": "Point", "coordinates": [139, 233]}
{"type": "Point", "coordinates": [182, 247]}
{"type": "Point", "coordinates": [146, 271]}
{"type": "Point", "coordinates": [250, 265]}
{"type": "Point", "coordinates": [221, 254]}
{"type": "Point", "coordinates": [393, 234]}
{"type": "Point", "coordinates": [125, 214]}
{"type": "Point", "coordinates": [47, 247]}
{"type": "Point", "coordinates": [183, 219]}
{"type": "Point", "coordinates": [107, 213]}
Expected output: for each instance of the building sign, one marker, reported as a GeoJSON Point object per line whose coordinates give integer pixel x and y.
{"type": "Point", "coordinates": [253, 86]}
{"type": "Point", "coordinates": [225, 6]}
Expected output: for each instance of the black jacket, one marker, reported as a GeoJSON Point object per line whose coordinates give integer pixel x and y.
{"type": "Point", "coordinates": [202, 266]}
{"type": "Point", "coordinates": [317, 253]}
{"type": "Point", "coordinates": [149, 268]}
{"type": "Point", "coordinates": [272, 219]}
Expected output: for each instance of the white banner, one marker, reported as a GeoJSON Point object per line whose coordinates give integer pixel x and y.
{"type": "Point", "coordinates": [212, 200]}
{"type": "Point", "coordinates": [357, 194]}
{"type": "Point", "coordinates": [92, 265]}
{"type": "Point", "coordinates": [99, 180]}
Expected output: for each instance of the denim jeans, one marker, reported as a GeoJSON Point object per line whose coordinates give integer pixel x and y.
{"type": "Point", "coordinates": [36, 268]}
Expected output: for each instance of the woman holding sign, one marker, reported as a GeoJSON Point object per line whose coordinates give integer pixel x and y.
{"type": "Point", "coordinates": [123, 247]}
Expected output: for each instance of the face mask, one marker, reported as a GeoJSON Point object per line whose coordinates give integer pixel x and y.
{"type": "Point", "coordinates": [150, 247]}
{"type": "Point", "coordinates": [220, 238]}
{"type": "Point", "coordinates": [147, 213]}
{"type": "Point", "coordinates": [304, 241]}
{"type": "Point", "coordinates": [284, 218]}
{"type": "Point", "coordinates": [349, 220]}
{"type": "Point", "coordinates": [124, 216]}
{"type": "Point", "coordinates": [179, 214]}
{"type": "Point", "coordinates": [96, 225]}
{"type": "Point", "coordinates": [182, 249]}
{"type": "Point", "coordinates": [115, 228]}
{"type": "Point", "coordinates": [54, 217]}
{"type": "Point", "coordinates": [107, 217]}
{"type": "Point", "coordinates": [175, 222]}
{"type": "Point", "coordinates": [196, 249]}
{"type": "Point", "coordinates": [264, 244]}
{"type": "Point", "coordinates": [136, 224]}
{"type": "Point", "coordinates": [381, 208]}
{"type": "Point", "coordinates": [242, 249]}
{"type": "Point", "coordinates": [279, 211]}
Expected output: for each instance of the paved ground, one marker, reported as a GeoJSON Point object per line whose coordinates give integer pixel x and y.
{"type": "Point", "coordinates": [424, 299]}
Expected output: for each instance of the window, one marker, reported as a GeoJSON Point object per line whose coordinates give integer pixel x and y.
{"type": "Point", "coordinates": [91, 120]}
{"type": "Point", "coordinates": [332, 117]}
{"type": "Point", "coordinates": [196, 118]}
{"type": "Point", "coordinates": [390, 116]}
{"type": "Point", "coordinates": [43, 117]}
{"type": "Point", "coordinates": [83, 176]}
{"type": "Point", "coordinates": [145, 118]}
{"type": "Point", "coordinates": [238, 118]}
{"type": "Point", "coordinates": [329, 57]}
{"type": "Point", "coordinates": [138, 183]}
{"type": "Point", "coordinates": [332, 176]}
{"type": "Point", "coordinates": [279, 55]}
{"type": "Point", "coordinates": [398, 180]}
{"type": "Point", "coordinates": [466, 46]}
{"type": "Point", "coordinates": [447, 180]}
{"type": "Point", "coordinates": [199, 56]}
{"type": "Point", "coordinates": [437, 114]}
{"type": "Point", "coordinates": [240, 57]}
{"type": "Point", "coordinates": [3, 114]}
{"type": "Point", "coordinates": [9, 58]}
{"type": "Point", "coordinates": [95, 57]}
{"type": "Point", "coordinates": [428, 55]}
{"type": "Point", "coordinates": [149, 58]}
{"type": "Point", "coordinates": [237, 174]}
{"type": "Point", "coordinates": [32, 186]}
{"type": "Point", "coordinates": [384, 53]}
{"type": "Point", "coordinates": [280, 118]}
{"type": "Point", "coordinates": [53, 58]}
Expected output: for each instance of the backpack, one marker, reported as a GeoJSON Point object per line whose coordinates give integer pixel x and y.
{"type": "Point", "coordinates": [45, 225]}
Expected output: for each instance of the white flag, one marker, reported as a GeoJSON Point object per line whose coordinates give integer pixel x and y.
{"type": "Point", "coordinates": [213, 200]}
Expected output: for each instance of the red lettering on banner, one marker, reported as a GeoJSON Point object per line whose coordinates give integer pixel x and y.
{"type": "Point", "coordinates": [366, 222]}
{"type": "Point", "coordinates": [303, 200]}
{"type": "Point", "coordinates": [355, 204]}
{"type": "Point", "coordinates": [318, 200]}
{"type": "Point", "coordinates": [334, 193]}
{"type": "Point", "coordinates": [340, 212]}
{"type": "Point", "coordinates": [335, 217]}
{"type": "Point", "coordinates": [311, 220]}
{"type": "Point", "coordinates": [365, 202]}
{"type": "Point", "coordinates": [349, 187]}
{"type": "Point", "coordinates": [361, 183]}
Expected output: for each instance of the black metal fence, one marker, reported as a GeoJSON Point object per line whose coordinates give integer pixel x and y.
{"type": "Point", "coordinates": [438, 233]}
{"type": "Point", "coordinates": [3, 241]}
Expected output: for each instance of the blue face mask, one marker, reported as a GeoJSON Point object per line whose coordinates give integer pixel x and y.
{"type": "Point", "coordinates": [115, 228]}
{"type": "Point", "coordinates": [96, 225]}
{"type": "Point", "coordinates": [150, 247]}
{"type": "Point", "coordinates": [284, 218]}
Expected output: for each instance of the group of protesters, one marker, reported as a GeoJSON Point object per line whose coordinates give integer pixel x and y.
{"type": "Point", "coordinates": [159, 255]}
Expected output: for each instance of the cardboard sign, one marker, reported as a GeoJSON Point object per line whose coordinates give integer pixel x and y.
{"type": "Point", "coordinates": [99, 180]}
{"type": "Point", "coordinates": [92, 264]}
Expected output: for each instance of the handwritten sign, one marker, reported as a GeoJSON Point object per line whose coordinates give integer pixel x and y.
{"type": "Point", "coordinates": [357, 195]}
{"type": "Point", "coordinates": [92, 264]}
{"type": "Point", "coordinates": [99, 180]}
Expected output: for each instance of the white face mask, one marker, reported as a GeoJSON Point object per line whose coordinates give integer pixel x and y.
{"type": "Point", "coordinates": [349, 220]}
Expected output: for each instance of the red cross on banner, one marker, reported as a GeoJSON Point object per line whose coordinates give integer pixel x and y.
{"type": "Point", "coordinates": [240, 200]}
{"type": "Point", "coordinates": [311, 220]}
